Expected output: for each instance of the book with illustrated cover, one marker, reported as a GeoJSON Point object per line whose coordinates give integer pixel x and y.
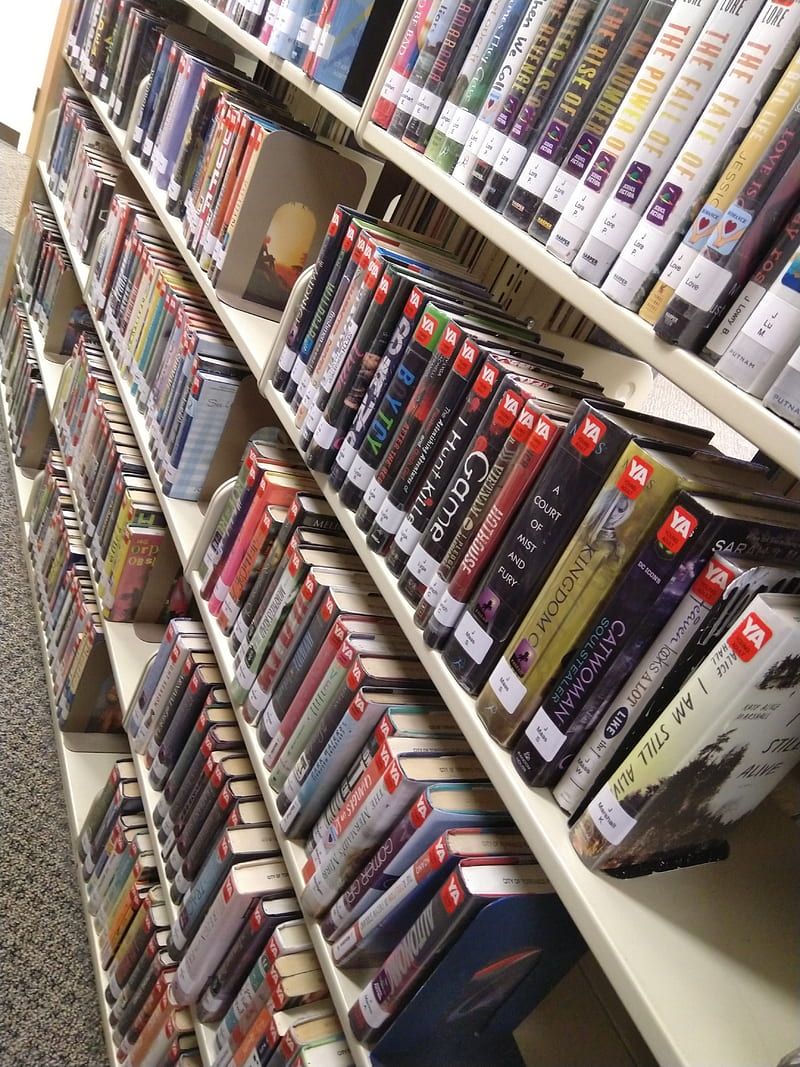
{"type": "Point", "coordinates": [664, 60]}
{"type": "Point", "coordinates": [737, 314]}
{"type": "Point", "coordinates": [582, 460]}
{"type": "Point", "coordinates": [660, 575]}
{"type": "Point", "coordinates": [470, 888]}
{"type": "Point", "coordinates": [725, 740]}
{"type": "Point", "coordinates": [625, 706]}
{"type": "Point", "coordinates": [732, 178]}
{"type": "Point", "coordinates": [577, 155]}
{"type": "Point", "coordinates": [373, 936]}
{"type": "Point", "coordinates": [622, 515]}
{"type": "Point", "coordinates": [687, 96]}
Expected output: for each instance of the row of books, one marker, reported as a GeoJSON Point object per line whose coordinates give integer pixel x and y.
{"type": "Point", "coordinates": [619, 135]}
{"type": "Point", "coordinates": [26, 403]}
{"type": "Point", "coordinates": [542, 566]}
{"type": "Point", "coordinates": [368, 766]}
{"type": "Point", "coordinates": [122, 521]}
{"type": "Point", "coordinates": [244, 177]}
{"type": "Point", "coordinates": [337, 45]}
{"type": "Point", "coordinates": [42, 263]}
{"type": "Point", "coordinates": [83, 687]}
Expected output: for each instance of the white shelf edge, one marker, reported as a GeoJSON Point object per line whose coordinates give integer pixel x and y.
{"type": "Point", "coordinates": [644, 932]}
{"type": "Point", "coordinates": [339, 106]}
{"type": "Point", "coordinates": [343, 987]}
{"type": "Point", "coordinates": [150, 797]}
{"type": "Point", "coordinates": [741, 411]}
{"type": "Point", "coordinates": [252, 335]}
{"type": "Point", "coordinates": [99, 973]}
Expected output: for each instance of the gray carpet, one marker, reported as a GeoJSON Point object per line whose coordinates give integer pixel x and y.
{"type": "Point", "coordinates": [47, 992]}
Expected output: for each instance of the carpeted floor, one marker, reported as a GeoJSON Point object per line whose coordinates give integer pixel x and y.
{"type": "Point", "coordinates": [47, 992]}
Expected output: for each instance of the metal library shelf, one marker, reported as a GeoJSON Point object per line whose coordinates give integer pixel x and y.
{"type": "Point", "coordinates": [740, 410]}
{"type": "Point", "coordinates": [184, 517]}
{"type": "Point", "coordinates": [205, 1034]}
{"type": "Point", "coordinates": [252, 334]}
{"type": "Point", "coordinates": [339, 106]}
{"type": "Point", "coordinates": [699, 956]}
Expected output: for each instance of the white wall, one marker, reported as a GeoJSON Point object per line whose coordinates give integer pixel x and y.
{"type": "Point", "coordinates": [26, 27]}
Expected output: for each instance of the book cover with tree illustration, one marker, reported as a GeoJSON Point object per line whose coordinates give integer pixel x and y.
{"type": "Point", "coordinates": [724, 742]}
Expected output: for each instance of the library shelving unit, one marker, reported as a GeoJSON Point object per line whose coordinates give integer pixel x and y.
{"type": "Point", "coordinates": [701, 958]}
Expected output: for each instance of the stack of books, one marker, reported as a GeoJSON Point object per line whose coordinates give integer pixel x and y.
{"type": "Point", "coordinates": [544, 539]}
{"type": "Point", "coordinates": [84, 693]}
{"type": "Point", "coordinates": [28, 415]}
{"type": "Point", "coordinates": [122, 521]}
{"type": "Point", "coordinates": [618, 135]}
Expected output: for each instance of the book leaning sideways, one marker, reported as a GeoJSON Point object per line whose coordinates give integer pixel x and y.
{"type": "Point", "coordinates": [722, 744]}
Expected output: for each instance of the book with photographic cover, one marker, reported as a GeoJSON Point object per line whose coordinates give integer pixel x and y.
{"type": "Point", "coordinates": [718, 748]}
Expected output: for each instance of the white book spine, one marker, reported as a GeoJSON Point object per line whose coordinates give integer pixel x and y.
{"type": "Point", "coordinates": [650, 244]}
{"type": "Point", "coordinates": [672, 123]}
{"type": "Point", "coordinates": [768, 338]}
{"type": "Point", "coordinates": [783, 397]}
{"type": "Point", "coordinates": [663, 62]}
{"type": "Point", "coordinates": [209, 945]}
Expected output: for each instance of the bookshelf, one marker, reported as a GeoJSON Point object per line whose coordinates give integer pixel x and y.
{"type": "Point", "coordinates": [698, 957]}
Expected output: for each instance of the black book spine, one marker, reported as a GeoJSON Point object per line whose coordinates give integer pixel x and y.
{"type": "Point", "coordinates": [393, 406]}
{"type": "Point", "coordinates": [358, 370]}
{"type": "Point", "coordinates": [423, 451]}
{"type": "Point", "coordinates": [485, 387]}
{"type": "Point", "coordinates": [443, 338]}
{"type": "Point", "coordinates": [380, 381]}
{"type": "Point", "coordinates": [471, 473]}
{"type": "Point", "coordinates": [579, 466]}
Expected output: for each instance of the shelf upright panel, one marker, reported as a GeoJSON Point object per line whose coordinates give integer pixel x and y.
{"type": "Point", "coordinates": [344, 986]}
{"type": "Point", "coordinates": [339, 106]}
{"type": "Point", "coordinates": [252, 334]}
{"type": "Point", "coordinates": [713, 936]}
{"type": "Point", "coordinates": [740, 410]}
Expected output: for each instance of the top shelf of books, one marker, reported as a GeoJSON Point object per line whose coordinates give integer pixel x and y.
{"type": "Point", "coordinates": [495, 96]}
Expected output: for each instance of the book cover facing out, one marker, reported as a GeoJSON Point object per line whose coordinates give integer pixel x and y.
{"type": "Point", "coordinates": [504, 963]}
{"type": "Point", "coordinates": [295, 186]}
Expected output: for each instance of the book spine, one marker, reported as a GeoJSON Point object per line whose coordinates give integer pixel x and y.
{"type": "Point", "coordinates": [473, 85]}
{"type": "Point", "coordinates": [672, 123]}
{"type": "Point", "coordinates": [381, 380]}
{"type": "Point", "coordinates": [402, 63]}
{"type": "Point", "coordinates": [436, 630]}
{"type": "Point", "coordinates": [647, 592]}
{"type": "Point", "coordinates": [625, 707]}
{"type": "Point", "coordinates": [583, 459]}
{"type": "Point", "coordinates": [500, 509]}
{"type": "Point", "coordinates": [443, 16]}
{"type": "Point", "coordinates": [783, 396]}
{"type": "Point", "coordinates": [449, 910]}
{"type": "Point", "coordinates": [403, 487]}
{"type": "Point", "coordinates": [761, 56]}
{"type": "Point", "coordinates": [663, 62]}
{"type": "Point", "coordinates": [553, 132]}
{"type": "Point", "coordinates": [722, 196]}
{"type": "Point", "coordinates": [573, 590]}
{"type": "Point", "coordinates": [750, 296]}
{"type": "Point", "coordinates": [740, 239]}
{"type": "Point", "coordinates": [235, 551]}
{"type": "Point", "coordinates": [768, 337]}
